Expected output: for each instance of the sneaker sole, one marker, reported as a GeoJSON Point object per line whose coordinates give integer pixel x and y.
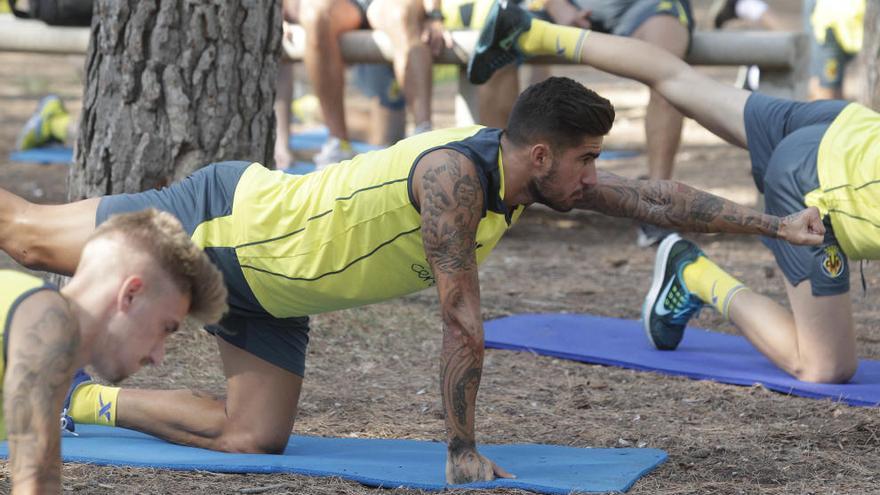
{"type": "Point", "coordinates": [486, 39]}
{"type": "Point", "coordinates": [657, 284]}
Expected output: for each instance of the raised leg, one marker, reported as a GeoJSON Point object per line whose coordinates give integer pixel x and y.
{"type": "Point", "coordinates": [45, 237]}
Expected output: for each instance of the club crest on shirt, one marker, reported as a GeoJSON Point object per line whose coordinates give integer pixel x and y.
{"type": "Point", "coordinates": [832, 262]}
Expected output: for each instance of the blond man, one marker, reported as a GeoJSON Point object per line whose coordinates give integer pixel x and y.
{"type": "Point", "coordinates": [138, 277]}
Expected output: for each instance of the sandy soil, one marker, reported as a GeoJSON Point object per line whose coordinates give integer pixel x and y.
{"type": "Point", "coordinates": [721, 439]}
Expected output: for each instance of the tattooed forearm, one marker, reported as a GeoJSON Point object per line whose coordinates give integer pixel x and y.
{"type": "Point", "coordinates": [460, 374]}
{"type": "Point", "coordinates": [675, 205]}
{"type": "Point", "coordinates": [461, 362]}
{"type": "Point", "coordinates": [41, 360]}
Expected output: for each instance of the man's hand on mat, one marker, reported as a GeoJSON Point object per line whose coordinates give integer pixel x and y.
{"type": "Point", "coordinates": [468, 465]}
{"type": "Point", "coordinates": [804, 227]}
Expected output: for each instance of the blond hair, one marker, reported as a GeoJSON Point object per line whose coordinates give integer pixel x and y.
{"type": "Point", "coordinates": [161, 236]}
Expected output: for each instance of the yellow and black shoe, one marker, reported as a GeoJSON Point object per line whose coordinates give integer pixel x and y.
{"type": "Point", "coordinates": [38, 129]}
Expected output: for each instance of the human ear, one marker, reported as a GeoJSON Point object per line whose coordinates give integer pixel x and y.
{"type": "Point", "coordinates": [131, 287]}
{"type": "Point", "coordinates": [540, 155]}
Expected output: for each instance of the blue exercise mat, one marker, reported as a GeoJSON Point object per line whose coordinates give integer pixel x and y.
{"type": "Point", "coordinates": [300, 168]}
{"type": "Point", "coordinates": [313, 139]}
{"type": "Point", "coordinates": [373, 462]}
{"type": "Point", "coordinates": [702, 355]}
{"type": "Point", "coordinates": [618, 154]}
{"type": "Point", "coordinates": [51, 154]}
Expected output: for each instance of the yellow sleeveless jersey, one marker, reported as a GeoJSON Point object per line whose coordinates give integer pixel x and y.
{"type": "Point", "coordinates": [848, 167]}
{"type": "Point", "coordinates": [15, 287]}
{"type": "Point", "coordinates": [349, 235]}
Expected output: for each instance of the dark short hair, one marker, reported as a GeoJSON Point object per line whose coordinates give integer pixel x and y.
{"type": "Point", "coordinates": [560, 111]}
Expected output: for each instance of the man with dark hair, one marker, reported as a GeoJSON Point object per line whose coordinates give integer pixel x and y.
{"type": "Point", "coordinates": [667, 24]}
{"type": "Point", "coordinates": [421, 213]}
{"type": "Point", "coordinates": [822, 154]}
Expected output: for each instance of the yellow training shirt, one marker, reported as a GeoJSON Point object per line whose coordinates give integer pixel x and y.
{"type": "Point", "coordinates": [848, 167]}
{"type": "Point", "coordinates": [348, 235]}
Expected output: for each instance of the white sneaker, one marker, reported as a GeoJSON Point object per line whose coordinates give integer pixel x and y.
{"type": "Point", "coordinates": [334, 150]}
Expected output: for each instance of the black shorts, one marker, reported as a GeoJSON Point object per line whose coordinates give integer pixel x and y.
{"type": "Point", "coordinates": [205, 195]}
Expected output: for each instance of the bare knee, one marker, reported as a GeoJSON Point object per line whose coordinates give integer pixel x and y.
{"type": "Point", "coordinates": [827, 373]}
{"type": "Point", "coordinates": [401, 21]}
{"type": "Point", "coordinates": [251, 441]}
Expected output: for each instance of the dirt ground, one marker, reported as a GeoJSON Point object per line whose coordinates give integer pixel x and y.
{"type": "Point", "coordinates": [373, 371]}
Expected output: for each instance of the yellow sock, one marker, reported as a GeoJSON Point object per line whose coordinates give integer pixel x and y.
{"type": "Point", "coordinates": [58, 125]}
{"type": "Point", "coordinates": [711, 284]}
{"type": "Point", "coordinates": [544, 38]}
{"type": "Point", "coordinates": [94, 404]}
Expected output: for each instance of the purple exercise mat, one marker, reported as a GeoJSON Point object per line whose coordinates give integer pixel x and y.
{"type": "Point", "coordinates": [702, 355]}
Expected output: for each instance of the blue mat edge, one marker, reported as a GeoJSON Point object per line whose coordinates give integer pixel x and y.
{"type": "Point", "coordinates": [660, 457]}
{"type": "Point", "coordinates": [364, 480]}
{"type": "Point", "coordinates": [694, 376]}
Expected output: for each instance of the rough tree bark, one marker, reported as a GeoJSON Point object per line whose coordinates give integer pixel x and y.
{"type": "Point", "coordinates": [172, 86]}
{"type": "Point", "coordinates": [871, 54]}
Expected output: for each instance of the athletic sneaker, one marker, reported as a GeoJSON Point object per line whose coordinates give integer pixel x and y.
{"type": "Point", "coordinates": [334, 150]}
{"type": "Point", "coordinates": [669, 305]}
{"type": "Point", "coordinates": [650, 235]}
{"type": "Point", "coordinates": [496, 46]}
{"type": "Point", "coordinates": [79, 378]}
{"type": "Point", "coordinates": [36, 131]}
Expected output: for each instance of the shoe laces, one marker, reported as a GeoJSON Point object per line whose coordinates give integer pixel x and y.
{"type": "Point", "coordinates": [682, 304]}
{"type": "Point", "coordinates": [67, 423]}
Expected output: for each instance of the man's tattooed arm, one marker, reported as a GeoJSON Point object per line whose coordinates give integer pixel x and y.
{"type": "Point", "coordinates": [449, 194]}
{"type": "Point", "coordinates": [675, 205]}
{"type": "Point", "coordinates": [43, 343]}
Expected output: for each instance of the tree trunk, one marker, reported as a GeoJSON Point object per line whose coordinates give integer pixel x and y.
{"type": "Point", "coordinates": [871, 54]}
{"type": "Point", "coordinates": [172, 86]}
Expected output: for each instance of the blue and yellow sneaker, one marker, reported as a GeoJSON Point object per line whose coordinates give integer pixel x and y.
{"type": "Point", "coordinates": [669, 305]}
{"type": "Point", "coordinates": [496, 46]}
{"type": "Point", "coordinates": [79, 378]}
{"type": "Point", "coordinates": [37, 130]}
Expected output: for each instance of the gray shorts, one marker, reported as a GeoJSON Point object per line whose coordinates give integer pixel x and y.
{"type": "Point", "coordinates": [624, 17]}
{"type": "Point", "coordinates": [203, 196]}
{"type": "Point", "coordinates": [783, 138]}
